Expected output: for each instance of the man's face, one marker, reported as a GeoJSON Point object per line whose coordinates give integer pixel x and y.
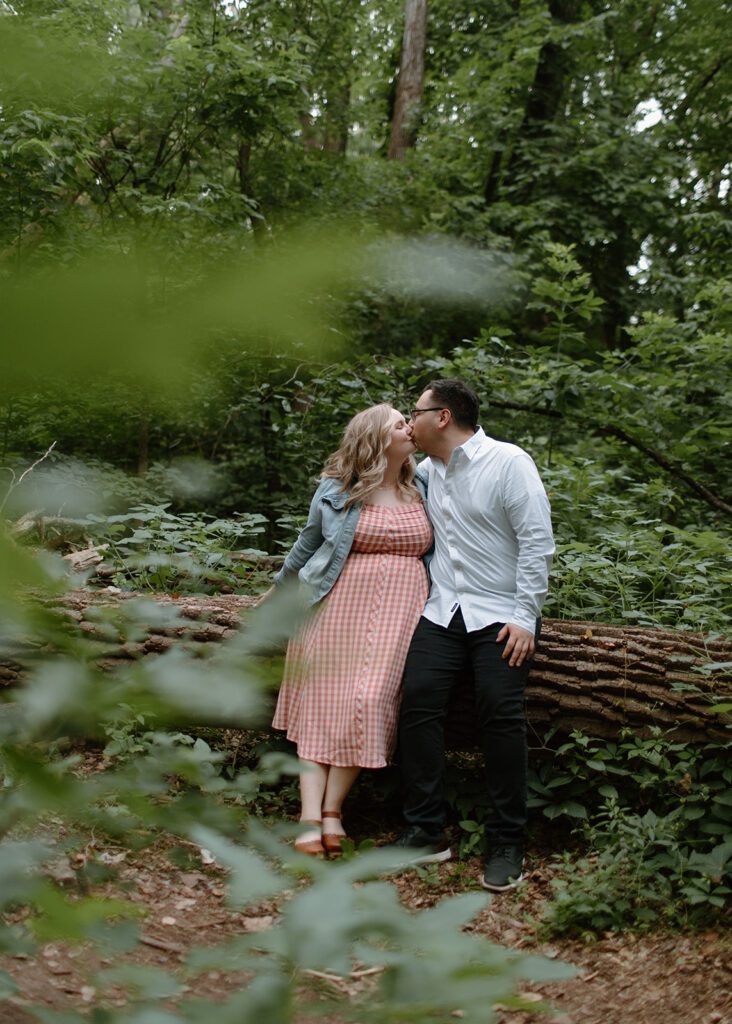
{"type": "Point", "coordinates": [424, 419]}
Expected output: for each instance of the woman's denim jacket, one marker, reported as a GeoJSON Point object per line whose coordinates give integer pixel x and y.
{"type": "Point", "coordinates": [319, 553]}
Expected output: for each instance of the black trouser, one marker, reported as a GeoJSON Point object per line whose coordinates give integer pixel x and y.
{"type": "Point", "coordinates": [437, 656]}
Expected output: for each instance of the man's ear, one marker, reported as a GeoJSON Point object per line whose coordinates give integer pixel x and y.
{"type": "Point", "coordinates": [445, 418]}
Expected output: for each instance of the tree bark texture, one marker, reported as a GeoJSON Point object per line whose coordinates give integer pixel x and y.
{"type": "Point", "coordinates": [410, 83]}
{"type": "Point", "coordinates": [602, 679]}
{"type": "Point", "coordinates": [588, 676]}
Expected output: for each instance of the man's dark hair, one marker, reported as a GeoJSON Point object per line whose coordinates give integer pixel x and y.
{"type": "Point", "coordinates": [459, 398]}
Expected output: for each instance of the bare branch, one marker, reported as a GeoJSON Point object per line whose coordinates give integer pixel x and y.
{"type": "Point", "coordinates": [669, 465]}
{"type": "Point", "coordinates": [16, 483]}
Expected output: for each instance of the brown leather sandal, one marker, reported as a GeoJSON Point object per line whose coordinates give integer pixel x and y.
{"type": "Point", "coordinates": [312, 847]}
{"type": "Point", "coordinates": [331, 840]}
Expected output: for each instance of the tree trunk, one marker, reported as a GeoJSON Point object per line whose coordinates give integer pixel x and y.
{"type": "Point", "coordinates": [543, 105]}
{"type": "Point", "coordinates": [552, 72]}
{"type": "Point", "coordinates": [588, 676]}
{"type": "Point", "coordinates": [611, 280]}
{"type": "Point", "coordinates": [143, 443]}
{"type": "Point", "coordinates": [309, 135]}
{"type": "Point", "coordinates": [243, 155]}
{"type": "Point", "coordinates": [336, 119]}
{"type": "Point", "coordinates": [410, 83]}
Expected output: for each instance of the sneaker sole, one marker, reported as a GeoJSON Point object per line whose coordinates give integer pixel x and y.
{"type": "Point", "coordinates": [502, 888]}
{"type": "Point", "coordinates": [426, 858]}
{"type": "Point", "coordinates": [434, 858]}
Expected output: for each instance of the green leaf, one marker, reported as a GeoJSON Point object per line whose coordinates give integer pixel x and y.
{"type": "Point", "coordinates": [574, 810]}
{"type": "Point", "coordinates": [141, 981]}
{"type": "Point", "coordinates": [267, 998]}
{"type": "Point", "coordinates": [452, 913]}
{"type": "Point", "coordinates": [542, 968]}
{"type": "Point", "coordinates": [8, 986]}
{"type": "Point", "coordinates": [250, 877]}
{"type": "Point", "coordinates": [61, 918]}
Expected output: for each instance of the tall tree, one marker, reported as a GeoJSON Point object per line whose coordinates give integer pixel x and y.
{"type": "Point", "coordinates": [410, 84]}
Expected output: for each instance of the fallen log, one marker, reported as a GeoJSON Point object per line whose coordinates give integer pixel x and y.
{"type": "Point", "coordinates": [601, 679]}
{"type": "Point", "coordinates": [586, 676]}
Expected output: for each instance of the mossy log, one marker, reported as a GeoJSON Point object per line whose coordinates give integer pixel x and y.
{"type": "Point", "coordinates": [592, 677]}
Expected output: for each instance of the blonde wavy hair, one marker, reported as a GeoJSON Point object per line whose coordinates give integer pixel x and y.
{"type": "Point", "coordinates": [360, 461]}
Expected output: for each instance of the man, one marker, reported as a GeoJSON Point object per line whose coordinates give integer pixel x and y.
{"type": "Point", "coordinates": [490, 568]}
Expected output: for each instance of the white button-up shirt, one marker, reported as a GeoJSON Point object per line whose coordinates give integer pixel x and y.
{"type": "Point", "coordinates": [493, 535]}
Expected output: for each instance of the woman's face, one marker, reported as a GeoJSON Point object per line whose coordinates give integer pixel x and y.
{"type": "Point", "coordinates": [400, 445]}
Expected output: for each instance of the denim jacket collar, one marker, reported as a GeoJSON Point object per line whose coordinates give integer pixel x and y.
{"type": "Point", "coordinates": [336, 499]}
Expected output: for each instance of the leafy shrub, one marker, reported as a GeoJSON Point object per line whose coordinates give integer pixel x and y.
{"type": "Point", "coordinates": [642, 873]}
{"type": "Point", "coordinates": [653, 817]}
{"type": "Point", "coordinates": [154, 549]}
{"type": "Point", "coordinates": [656, 773]}
{"type": "Point", "coordinates": [618, 560]}
{"type": "Point", "coordinates": [64, 484]}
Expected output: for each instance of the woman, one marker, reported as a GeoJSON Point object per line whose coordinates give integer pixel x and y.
{"type": "Point", "coordinates": [360, 554]}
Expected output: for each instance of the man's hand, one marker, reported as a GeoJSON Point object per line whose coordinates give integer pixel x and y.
{"type": "Point", "coordinates": [519, 646]}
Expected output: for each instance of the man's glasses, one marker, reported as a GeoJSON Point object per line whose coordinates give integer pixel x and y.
{"type": "Point", "coordinates": [430, 408]}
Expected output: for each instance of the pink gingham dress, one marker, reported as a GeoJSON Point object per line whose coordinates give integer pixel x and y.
{"type": "Point", "coordinates": [340, 695]}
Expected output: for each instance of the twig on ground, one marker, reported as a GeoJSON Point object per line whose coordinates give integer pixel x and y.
{"type": "Point", "coordinates": [167, 947]}
{"type": "Point", "coordinates": [342, 982]}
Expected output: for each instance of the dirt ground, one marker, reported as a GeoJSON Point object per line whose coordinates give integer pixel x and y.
{"type": "Point", "coordinates": [655, 979]}
{"type": "Point", "coordinates": [622, 979]}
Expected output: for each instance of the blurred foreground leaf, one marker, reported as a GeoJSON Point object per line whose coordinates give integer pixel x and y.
{"type": "Point", "coordinates": [131, 313]}
{"type": "Point", "coordinates": [74, 920]}
{"type": "Point", "coordinates": [48, 63]}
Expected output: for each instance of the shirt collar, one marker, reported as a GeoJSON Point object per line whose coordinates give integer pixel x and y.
{"type": "Point", "coordinates": [470, 447]}
{"type": "Point", "coordinates": [474, 443]}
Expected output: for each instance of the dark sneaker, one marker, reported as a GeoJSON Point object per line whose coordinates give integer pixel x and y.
{"type": "Point", "coordinates": [423, 847]}
{"type": "Point", "coordinates": [503, 868]}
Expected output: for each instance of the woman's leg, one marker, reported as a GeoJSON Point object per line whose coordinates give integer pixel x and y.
{"type": "Point", "coordinates": [338, 786]}
{"type": "Point", "coordinates": [313, 780]}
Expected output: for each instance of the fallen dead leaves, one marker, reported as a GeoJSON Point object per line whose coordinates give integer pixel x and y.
{"type": "Point", "coordinates": [654, 979]}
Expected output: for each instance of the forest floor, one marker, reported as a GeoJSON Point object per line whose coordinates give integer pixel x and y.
{"type": "Point", "coordinates": [655, 978]}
